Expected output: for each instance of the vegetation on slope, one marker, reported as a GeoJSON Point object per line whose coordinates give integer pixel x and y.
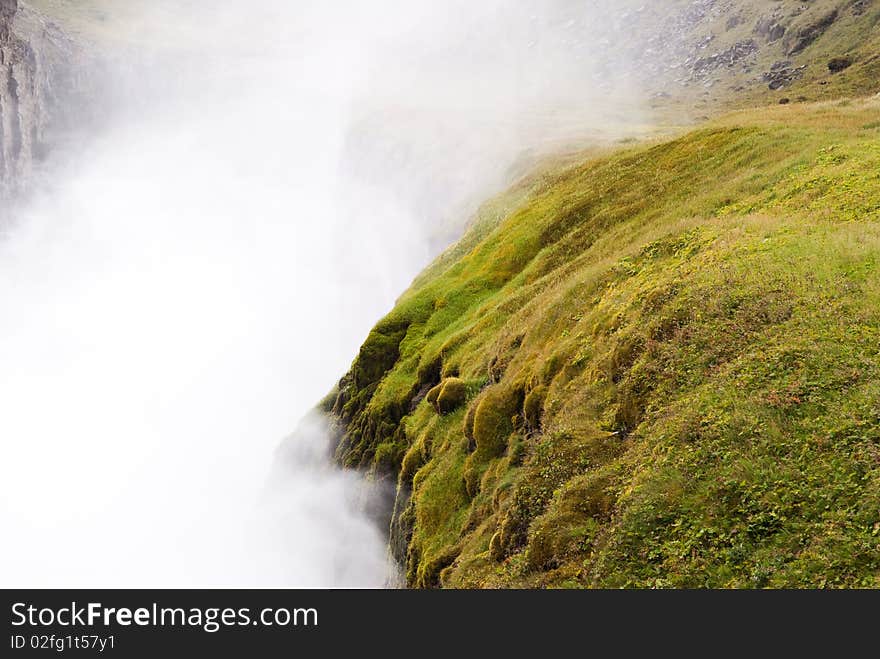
{"type": "Point", "coordinates": [665, 365]}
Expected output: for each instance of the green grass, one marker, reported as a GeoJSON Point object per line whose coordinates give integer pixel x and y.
{"type": "Point", "coordinates": [672, 362]}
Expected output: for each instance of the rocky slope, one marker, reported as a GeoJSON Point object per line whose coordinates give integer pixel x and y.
{"type": "Point", "coordinates": [39, 82]}
{"type": "Point", "coordinates": [723, 53]}
{"type": "Point", "coordinates": [659, 366]}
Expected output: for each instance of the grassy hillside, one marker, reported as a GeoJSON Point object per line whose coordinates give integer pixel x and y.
{"type": "Point", "coordinates": [660, 367]}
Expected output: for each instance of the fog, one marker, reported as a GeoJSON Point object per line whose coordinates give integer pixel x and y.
{"type": "Point", "coordinates": [190, 282]}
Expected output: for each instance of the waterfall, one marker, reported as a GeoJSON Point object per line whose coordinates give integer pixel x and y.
{"type": "Point", "coordinates": [193, 278]}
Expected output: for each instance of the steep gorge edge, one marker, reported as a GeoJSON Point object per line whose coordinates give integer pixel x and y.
{"type": "Point", "coordinates": [656, 368]}
{"type": "Point", "coordinates": [42, 93]}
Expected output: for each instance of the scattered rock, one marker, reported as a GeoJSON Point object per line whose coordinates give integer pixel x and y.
{"type": "Point", "coordinates": [784, 100]}
{"type": "Point", "coordinates": [782, 73]}
{"type": "Point", "coordinates": [739, 51]}
{"type": "Point", "coordinates": [421, 394]}
{"type": "Point", "coordinates": [769, 28]}
{"type": "Point", "coordinates": [838, 64]}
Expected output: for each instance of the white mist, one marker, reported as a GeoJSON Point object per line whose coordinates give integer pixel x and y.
{"type": "Point", "coordinates": [198, 277]}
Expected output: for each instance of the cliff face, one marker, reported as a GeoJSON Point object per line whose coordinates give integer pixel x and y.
{"type": "Point", "coordinates": [37, 77]}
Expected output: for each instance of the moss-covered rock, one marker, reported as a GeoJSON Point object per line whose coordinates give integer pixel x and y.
{"type": "Point", "coordinates": [433, 396]}
{"type": "Point", "coordinates": [493, 420]}
{"type": "Point", "coordinates": [453, 395]}
{"type": "Point", "coordinates": [533, 407]}
{"type": "Point", "coordinates": [413, 460]}
{"type": "Point", "coordinates": [472, 475]}
{"type": "Point", "coordinates": [448, 396]}
{"type": "Point", "coordinates": [378, 354]}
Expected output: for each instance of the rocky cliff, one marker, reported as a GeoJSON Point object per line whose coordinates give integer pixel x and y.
{"type": "Point", "coordinates": [38, 78]}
